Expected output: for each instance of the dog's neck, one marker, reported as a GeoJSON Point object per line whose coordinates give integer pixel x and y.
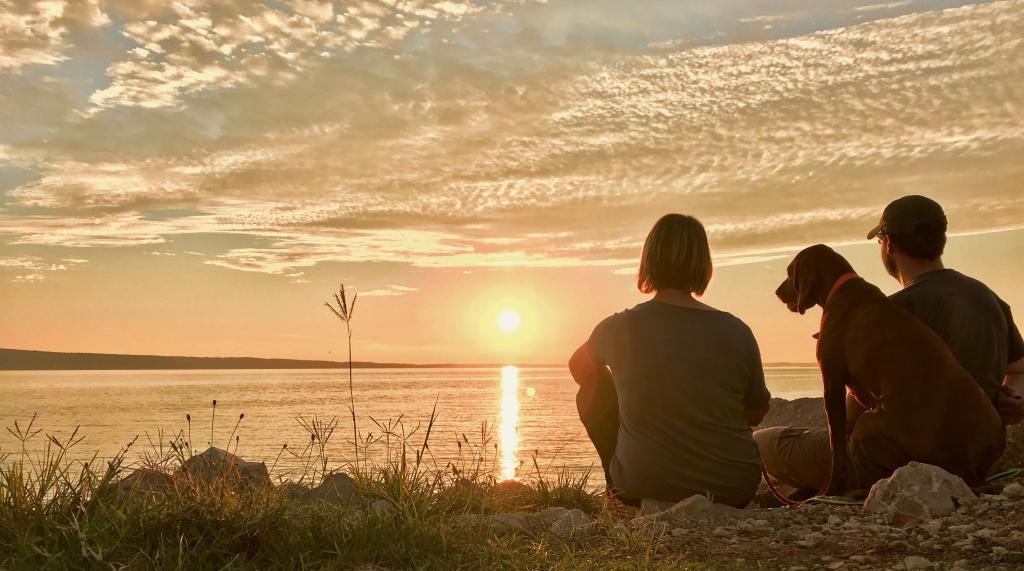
{"type": "Point", "coordinates": [838, 284]}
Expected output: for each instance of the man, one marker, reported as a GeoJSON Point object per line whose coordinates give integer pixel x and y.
{"type": "Point", "coordinates": [976, 325]}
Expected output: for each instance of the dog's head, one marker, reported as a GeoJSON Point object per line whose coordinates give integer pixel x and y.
{"type": "Point", "coordinates": [809, 277]}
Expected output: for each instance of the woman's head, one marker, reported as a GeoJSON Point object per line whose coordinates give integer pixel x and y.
{"type": "Point", "coordinates": [676, 256]}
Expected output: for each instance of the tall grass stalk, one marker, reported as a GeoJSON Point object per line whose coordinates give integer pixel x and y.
{"type": "Point", "coordinates": [345, 312]}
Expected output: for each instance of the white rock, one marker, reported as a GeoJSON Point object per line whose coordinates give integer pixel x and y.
{"type": "Point", "coordinates": [917, 492]}
{"type": "Point", "coordinates": [695, 508]}
{"type": "Point", "coordinates": [916, 562]}
{"type": "Point", "coordinates": [512, 521]}
{"type": "Point", "coordinates": [573, 523]}
{"type": "Point", "coordinates": [1014, 490]}
{"type": "Point", "coordinates": [552, 514]}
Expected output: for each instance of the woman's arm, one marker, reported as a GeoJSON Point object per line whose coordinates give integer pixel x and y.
{"type": "Point", "coordinates": [597, 403]}
{"type": "Point", "coordinates": [584, 367]}
{"type": "Point", "coordinates": [755, 415]}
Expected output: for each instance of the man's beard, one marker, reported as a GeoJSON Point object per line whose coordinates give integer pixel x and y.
{"type": "Point", "coordinates": [890, 264]}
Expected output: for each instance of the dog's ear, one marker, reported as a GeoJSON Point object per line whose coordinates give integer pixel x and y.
{"type": "Point", "coordinates": [805, 282]}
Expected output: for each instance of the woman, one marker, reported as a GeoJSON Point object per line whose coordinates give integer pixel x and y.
{"type": "Point", "coordinates": [687, 378]}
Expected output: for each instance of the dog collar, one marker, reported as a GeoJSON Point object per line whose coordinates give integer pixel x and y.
{"type": "Point", "coordinates": [835, 287]}
{"type": "Point", "coordinates": [839, 283]}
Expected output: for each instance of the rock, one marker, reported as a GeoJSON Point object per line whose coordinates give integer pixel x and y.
{"type": "Point", "coordinates": [504, 522]}
{"type": "Point", "coordinates": [932, 526]}
{"type": "Point", "coordinates": [336, 489]}
{"type": "Point", "coordinates": [809, 412]}
{"type": "Point", "coordinates": [140, 484]}
{"type": "Point", "coordinates": [512, 521]}
{"type": "Point", "coordinates": [146, 480]}
{"type": "Point", "coordinates": [695, 508]}
{"type": "Point", "coordinates": [650, 506]}
{"type": "Point", "coordinates": [220, 466]}
{"type": "Point", "coordinates": [553, 514]}
{"type": "Point", "coordinates": [1014, 490]}
{"type": "Point", "coordinates": [293, 491]}
{"type": "Point", "coordinates": [381, 508]}
{"type": "Point", "coordinates": [573, 523]}
{"type": "Point", "coordinates": [917, 492]}
{"type": "Point", "coordinates": [915, 562]}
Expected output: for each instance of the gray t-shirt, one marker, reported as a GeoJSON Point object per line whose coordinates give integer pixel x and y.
{"type": "Point", "coordinates": [684, 378]}
{"type": "Point", "coordinates": [976, 325]}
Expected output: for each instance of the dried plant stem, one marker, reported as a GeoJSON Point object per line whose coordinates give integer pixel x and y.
{"type": "Point", "coordinates": [352, 396]}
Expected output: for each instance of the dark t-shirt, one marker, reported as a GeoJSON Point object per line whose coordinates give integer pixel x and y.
{"type": "Point", "coordinates": [684, 378]}
{"type": "Point", "coordinates": [976, 325]}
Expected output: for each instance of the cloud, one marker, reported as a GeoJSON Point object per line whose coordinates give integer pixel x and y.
{"type": "Point", "coordinates": [38, 268]}
{"type": "Point", "coordinates": [36, 32]}
{"type": "Point", "coordinates": [200, 46]}
{"type": "Point", "coordinates": [388, 291]}
{"type": "Point", "coordinates": [452, 155]}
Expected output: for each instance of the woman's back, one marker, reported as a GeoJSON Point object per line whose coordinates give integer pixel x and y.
{"type": "Point", "coordinates": [684, 378]}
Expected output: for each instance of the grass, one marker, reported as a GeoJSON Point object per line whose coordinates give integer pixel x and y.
{"type": "Point", "coordinates": [59, 513]}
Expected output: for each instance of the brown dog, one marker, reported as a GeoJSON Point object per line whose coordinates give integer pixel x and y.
{"type": "Point", "coordinates": [922, 405]}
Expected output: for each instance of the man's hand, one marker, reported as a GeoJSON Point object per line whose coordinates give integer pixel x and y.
{"type": "Point", "coordinates": [1010, 405]}
{"type": "Point", "coordinates": [1008, 400]}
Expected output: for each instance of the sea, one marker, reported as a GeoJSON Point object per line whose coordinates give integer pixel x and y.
{"type": "Point", "coordinates": [511, 422]}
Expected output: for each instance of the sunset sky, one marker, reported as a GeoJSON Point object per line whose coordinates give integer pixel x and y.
{"type": "Point", "coordinates": [196, 177]}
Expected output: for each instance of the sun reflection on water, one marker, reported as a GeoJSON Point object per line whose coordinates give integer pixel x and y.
{"type": "Point", "coordinates": [509, 422]}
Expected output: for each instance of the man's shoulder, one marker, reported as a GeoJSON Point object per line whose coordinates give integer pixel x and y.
{"type": "Point", "coordinates": [941, 283]}
{"type": "Point", "coordinates": [948, 290]}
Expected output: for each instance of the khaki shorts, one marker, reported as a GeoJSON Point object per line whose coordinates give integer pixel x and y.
{"type": "Point", "coordinates": [802, 458]}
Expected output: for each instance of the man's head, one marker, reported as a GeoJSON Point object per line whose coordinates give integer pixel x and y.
{"type": "Point", "coordinates": [810, 276]}
{"type": "Point", "coordinates": [913, 226]}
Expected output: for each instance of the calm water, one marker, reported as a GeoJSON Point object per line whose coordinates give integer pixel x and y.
{"type": "Point", "coordinates": [525, 410]}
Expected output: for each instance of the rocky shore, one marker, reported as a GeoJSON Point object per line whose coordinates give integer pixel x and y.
{"type": "Point", "coordinates": [920, 518]}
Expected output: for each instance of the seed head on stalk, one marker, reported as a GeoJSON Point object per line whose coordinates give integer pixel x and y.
{"type": "Point", "coordinates": [343, 311]}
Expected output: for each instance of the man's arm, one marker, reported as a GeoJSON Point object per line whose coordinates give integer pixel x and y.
{"type": "Point", "coordinates": [1010, 399]}
{"type": "Point", "coordinates": [853, 411]}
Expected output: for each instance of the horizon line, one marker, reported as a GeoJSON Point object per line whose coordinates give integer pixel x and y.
{"type": "Point", "coordinates": [321, 362]}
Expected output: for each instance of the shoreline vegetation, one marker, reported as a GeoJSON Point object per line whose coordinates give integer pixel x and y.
{"type": "Point", "coordinates": [186, 501]}
{"type": "Point", "coordinates": [30, 360]}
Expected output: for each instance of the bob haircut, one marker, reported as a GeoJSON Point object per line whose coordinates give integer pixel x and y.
{"type": "Point", "coordinates": [676, 256]}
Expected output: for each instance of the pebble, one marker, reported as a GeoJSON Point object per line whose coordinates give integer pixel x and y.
{"type": "Point", "coordinates": [917, 562]}
{"type": "Point", "coordinates": [1014, 490]}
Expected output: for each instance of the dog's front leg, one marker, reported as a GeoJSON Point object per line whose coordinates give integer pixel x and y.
{"type": "Point", "coordinates": [834, 378]}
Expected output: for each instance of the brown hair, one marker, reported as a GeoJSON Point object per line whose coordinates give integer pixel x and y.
{"type": "Point", "coordinates": [676, 255]}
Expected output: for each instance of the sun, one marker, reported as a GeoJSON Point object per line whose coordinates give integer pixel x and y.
{"type": "Point", "coordinates": [509, 320]}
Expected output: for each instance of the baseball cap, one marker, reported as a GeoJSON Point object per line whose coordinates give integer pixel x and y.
{"type": "Point", "coordinates": [905, 215]}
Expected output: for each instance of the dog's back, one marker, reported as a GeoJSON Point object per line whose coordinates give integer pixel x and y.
{"type": "Point", "coordinates": [932, 408]}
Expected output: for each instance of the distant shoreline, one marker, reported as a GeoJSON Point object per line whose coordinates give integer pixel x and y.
{"type": "Point", "coordinates": [27, 360]}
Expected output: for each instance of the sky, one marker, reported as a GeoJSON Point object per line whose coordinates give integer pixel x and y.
{"type": "Point", "coordinates": [196, 177]}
